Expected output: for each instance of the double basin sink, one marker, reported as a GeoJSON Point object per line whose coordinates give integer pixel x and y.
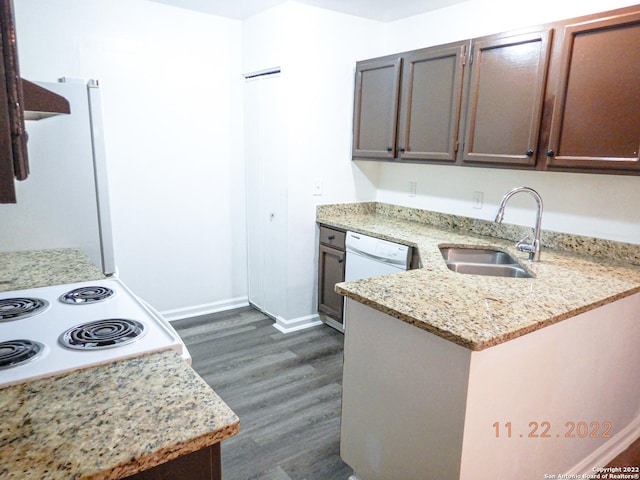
{"type": "Point", "coordinates": [483, 261]}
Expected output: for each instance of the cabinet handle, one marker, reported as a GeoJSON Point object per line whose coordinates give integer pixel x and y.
{"type": "Point", "coordinates": [401, 149]}
{"type": "Point", "coordinates": [341, 259]}
{"type": "Point", "coordinates": [331, 237]}
{"type": "Point", "coordinates": [529, 153]}
{"type": "Point", "coordinates": [550, 153]}
{"type": "Point", "coordinates": [389, 149]}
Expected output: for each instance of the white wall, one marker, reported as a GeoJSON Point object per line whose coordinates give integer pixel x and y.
{"type": "Point", "coordinates": [603, 206]}
{"type": "Point", "coordinates": [172, 114]}
{"type": "Point", "coordinates": [316, 50]}
{"type": "Point", "coordinates": [172, 95]}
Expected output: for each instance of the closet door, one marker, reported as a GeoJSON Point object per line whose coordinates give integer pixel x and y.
{"type": "Point", "coordinates": [265, 151]}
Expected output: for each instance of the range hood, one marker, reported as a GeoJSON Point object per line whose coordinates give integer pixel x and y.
{"type": "Point", "coordinates": [38, 102]}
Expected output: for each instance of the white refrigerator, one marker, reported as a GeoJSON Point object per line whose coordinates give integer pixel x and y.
{"type": "Point", "coordinates": [65, 202]}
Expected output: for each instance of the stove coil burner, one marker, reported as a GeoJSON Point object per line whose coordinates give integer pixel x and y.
{"type": "Point", "coordinates": [18, 352]}
{"type": "Point", "coordinates": [21, 307]}
{"type": "Point", "coordinates": [101, 334]}
{"type": "Point", "coordinates": [85, 295]}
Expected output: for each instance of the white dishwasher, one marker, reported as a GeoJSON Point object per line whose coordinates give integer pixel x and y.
{"type": "Point", "coordinates": [370, 257]}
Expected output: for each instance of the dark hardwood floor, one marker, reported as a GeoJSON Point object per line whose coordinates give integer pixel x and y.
{"type": "Point", "coordinates": [286, 389]}
{"type": "Point", "coordinates": [629, 458]}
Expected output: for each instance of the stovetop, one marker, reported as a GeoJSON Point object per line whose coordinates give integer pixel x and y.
{"type": "Point", "coordinates": [43, 323]}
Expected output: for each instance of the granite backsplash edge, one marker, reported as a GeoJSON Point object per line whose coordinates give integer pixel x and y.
{"type": "Point", "coordinates": [595, 248]}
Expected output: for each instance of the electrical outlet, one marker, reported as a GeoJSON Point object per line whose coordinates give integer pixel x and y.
{"type": "Point", "coordinates": [413, 186]}
{"type": "Point", "coordinates": [317, 186]}
{"type": "Point", "coordinates": [478, 199]}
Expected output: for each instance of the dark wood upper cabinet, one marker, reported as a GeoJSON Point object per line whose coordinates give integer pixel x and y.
{"type": "Point", "coordinates": [7, 175]}
{"type": "Point", "coordinates": [375, 119]}
{"type": "Point", "coordinates": [17, 96]}
{"type": "Point", "coordinates": [14, 157]}
{"type": "Point", "coordinates": [596, 110]}
{"type": "Point", "coordinates": [431, 94]}
{"type": "Point", "coordinates": [563, 96]}
{"type": "Point", "coordinates": [407, 106]}
{"type": "Point", "coordinates": [504, 98]}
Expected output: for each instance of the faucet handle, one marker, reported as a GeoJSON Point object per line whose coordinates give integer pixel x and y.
{"type": "Point", "coordinates": [525, 245]}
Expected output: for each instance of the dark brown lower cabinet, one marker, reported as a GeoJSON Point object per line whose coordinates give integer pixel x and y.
{"type": "Point", "coordinates": [331, 271]}
{"type": "Point", "coordinates": [204, 464]}
{"type": "Point", "coordinates": [331, 264]}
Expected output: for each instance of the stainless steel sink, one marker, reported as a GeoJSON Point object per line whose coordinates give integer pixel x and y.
{"type": "Point", "coordinates": [477, 255]}
{"type": "Point", "coordinates": [483, 261]}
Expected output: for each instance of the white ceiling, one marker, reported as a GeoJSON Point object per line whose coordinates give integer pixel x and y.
{"type": "Point", "coordinates": [383, 10]}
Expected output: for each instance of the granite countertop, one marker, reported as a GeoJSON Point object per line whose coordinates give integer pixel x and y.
{"type": "Point", "coordinates": [110, 421]}
{"type": "Point", "coordinates": [475, 311]}
{"type": "Point", "coordinates": [41, 268]}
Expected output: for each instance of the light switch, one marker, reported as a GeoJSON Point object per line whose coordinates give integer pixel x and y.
{"type": "Point", "coordinates": [317, 186]}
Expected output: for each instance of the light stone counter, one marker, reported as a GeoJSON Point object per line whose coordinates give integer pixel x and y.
{"type": "Point", "coordinates": [110, 421]}
{"type": "Point", "coordinates": [42, 268]}
{"type": "Point", "coordinates": [475, 311]}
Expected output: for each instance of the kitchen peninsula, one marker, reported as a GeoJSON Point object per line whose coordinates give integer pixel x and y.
{"type": "Point", "coordinates": [450, 375]}
{"type": "Point", "coordinates": [142, 417]}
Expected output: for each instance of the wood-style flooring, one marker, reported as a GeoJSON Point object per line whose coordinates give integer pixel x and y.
{"type": "Point", "coordinates": [629, 458]}
{"type": "Point", "coordinates": [286, 389]}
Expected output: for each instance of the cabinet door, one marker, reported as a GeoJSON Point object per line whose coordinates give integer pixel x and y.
{"type": "Point", "coordinates": [7, 187]}
{"type": "Point", "coordinates": [330, 272]}
{"type": "Point", "coordinates": [596, 114]}
{"type": "Point", "coordinates": [203, 464]}
{"type": "Point", "coordinates": [13, 159]}
{"type": "Point", "coordinates": [431, 105]}
{"type": "Point", "coordinates": [505, 97]}
{"type": "Point", "coordinates": [375, 115]}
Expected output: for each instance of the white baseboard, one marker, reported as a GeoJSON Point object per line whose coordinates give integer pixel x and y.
{"type": "Point", "coordinates": [204, 309]}
{"type": "Point", "coordinates": [295, 324]}
{"type": "Point", "coordinates": [609, 450]}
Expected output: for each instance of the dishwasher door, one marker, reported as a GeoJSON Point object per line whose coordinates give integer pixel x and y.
{"type": "Point", "coordinates": [371, 257]}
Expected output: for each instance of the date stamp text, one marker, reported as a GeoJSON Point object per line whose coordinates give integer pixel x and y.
{"type": "Point", "coordinates": [544, 429]}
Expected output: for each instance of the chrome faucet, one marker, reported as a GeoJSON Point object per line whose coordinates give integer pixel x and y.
{"type": "Point", "coordinates": [534, 247]}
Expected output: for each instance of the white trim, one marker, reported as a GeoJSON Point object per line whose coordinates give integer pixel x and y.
{"type": "Point", "coordinates": [206, 308]}
{"type": "Point", "coordinates": [609, 450]}
{"type": "Point", "coordinates": [295, 324]}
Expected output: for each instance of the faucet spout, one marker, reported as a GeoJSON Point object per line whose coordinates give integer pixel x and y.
{"type": "Point", "coordinates": [532, 248]}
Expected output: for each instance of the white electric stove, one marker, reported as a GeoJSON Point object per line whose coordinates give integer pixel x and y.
{"type": "Point", "coordinates": [47, 331]}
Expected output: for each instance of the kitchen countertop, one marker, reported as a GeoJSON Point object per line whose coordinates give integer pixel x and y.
{"type": "Point", "coordinates": [41, 268]}
{"type": "Point", "coordinates": [109, 421]}
{"type": "Point", "coordinates": [474, 311]}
